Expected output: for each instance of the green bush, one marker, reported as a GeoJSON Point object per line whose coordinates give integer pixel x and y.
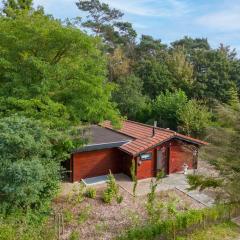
{"type": "Point", "coordinates": [7, 231]}
{"type": "Point", "coordinates": [20, 226]}
{"type": "Point", "coordinates": [107, 196]}
{"type": "Point", "coordinates": [151, 196]}
{"type": "Point", "coordinates": [29, 172]}
{"type": "Point", "coordinates": [119, 199]}
{"type": "Point", "coordinates": [112, 185]}
{"type": "Point", "coordinates": [134, 177]}
{"type": "Point", "coordinates": [91, 193]}
{"type": "Point", "coordinates": [77, 194]}
{"type": "Point", "coordinates": [112, 189]}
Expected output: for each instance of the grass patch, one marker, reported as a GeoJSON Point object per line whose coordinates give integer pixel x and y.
{"type": "Point", "coordinates": [101, 227]}
{"type": "Point", "coordinates": [68, 216]}
{"type": "Point", "coordinates": [84, 214]}
{"type": "Point", "coordinates": [223, 231]}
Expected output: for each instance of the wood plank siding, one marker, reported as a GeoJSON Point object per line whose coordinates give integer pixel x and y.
{"type": "Point", "coordinates": [147, 167]}
{"type": "Point", "coordinates": [99, 162]}
{"type": "Point", "coordinates": [180, 153]}
{"type": "Point", "coordinates": [175, 154]}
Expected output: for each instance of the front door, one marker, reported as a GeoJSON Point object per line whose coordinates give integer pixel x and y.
{"type": "Point", "coordinates": [162, 161]}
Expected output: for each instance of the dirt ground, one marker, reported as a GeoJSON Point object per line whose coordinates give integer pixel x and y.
{"type": "Point", "coordinates": [206, 169]}
{"type": "Point", "coordinates": [94, 219]}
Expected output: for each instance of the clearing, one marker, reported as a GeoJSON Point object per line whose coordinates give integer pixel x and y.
{"type": "Point", "coordinates": [94, 219]}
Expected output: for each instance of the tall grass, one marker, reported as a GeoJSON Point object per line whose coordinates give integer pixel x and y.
{"type": "Point", "coordinates": [183, 222]}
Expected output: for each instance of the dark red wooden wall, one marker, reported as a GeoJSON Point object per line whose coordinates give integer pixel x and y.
{"type": "Point", "coordinates": [180, 153]}
{"type": "Point", "coordinates": [96, 163]}
{"type": "Point", "coordinates": [99, 162]}
{"type": "Point", "coordinates": [176, 153]}
{"type": "Point", "coordinates": [147, 167]}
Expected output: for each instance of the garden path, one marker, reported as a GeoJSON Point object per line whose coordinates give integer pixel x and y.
{"type": "Point", "coordinates": [174, 181]}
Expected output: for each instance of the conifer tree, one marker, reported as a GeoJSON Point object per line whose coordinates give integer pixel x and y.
{"type": "Point", "coordinates": [233, 98]}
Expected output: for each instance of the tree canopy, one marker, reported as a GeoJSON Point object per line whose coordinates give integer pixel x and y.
{"type": "Point", "coordinates": [30, 171]}
{"type": "Point", "coordinates": [41, 58]}
{"type": "Point", "coordinates": [223, 153]}
{"type": "Point", "coordinates": [57, 76]}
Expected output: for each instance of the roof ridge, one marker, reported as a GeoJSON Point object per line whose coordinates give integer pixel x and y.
{"type": "Point", "coordinates": [150, 126]}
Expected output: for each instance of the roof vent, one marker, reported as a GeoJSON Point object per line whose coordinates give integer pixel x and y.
{"type": "Point", "coordinates": [154, 127]}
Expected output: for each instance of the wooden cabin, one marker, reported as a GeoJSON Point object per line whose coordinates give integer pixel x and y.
{"type": "Point", "coordinates": [152, 148]}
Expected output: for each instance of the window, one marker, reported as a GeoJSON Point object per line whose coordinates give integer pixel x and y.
{"type": "Point", "coordinates": [146, 156]}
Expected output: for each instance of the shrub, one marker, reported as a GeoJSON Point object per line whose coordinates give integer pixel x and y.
{"type": "Point", "coordinates": [77, 194]}
{"type": "Point", "coordinates": [119, 199]}
{"type": "Point", "coordinates": [29, 172]}
{"type": "Point", "coordinates": [91, 193]}
{"type": "Point", "coordinates": [7, 232]}
{"type": "Point", "coordinates": [107, 196]}
{"type": "Point", "coordinates": [112, 185]}
{"type": "Point", "coordinates": [20, 226]}
{"type": "Point", "coordinates": [152, 195]}
{"type": "Point", "coordinates": [134, 177]}
{"type": "Point", "coordinates": [193, 118]}
{"type": "Point", "coordinates": [112, 189]}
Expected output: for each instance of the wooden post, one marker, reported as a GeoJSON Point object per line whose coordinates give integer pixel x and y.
{"type": "Point", "coordinates": [59, 226]}
{"type": "Point", "coordinates": [62, 224]}
{"type": "Point", "coordinates": [204, 222]}
{"type": "Point", "coordinates": [229, 213]}
{"type": "Point", "coordinates": [174, 232]}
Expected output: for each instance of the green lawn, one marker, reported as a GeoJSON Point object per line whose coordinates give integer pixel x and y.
{"type": "Point", "coordinates": [224, 231]}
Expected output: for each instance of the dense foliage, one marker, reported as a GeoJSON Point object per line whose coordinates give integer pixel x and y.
{"type": "Point", "coordinates": [180, 86]}
{"type": "Point", "coordinates": [54, 77]}
{"type": "Point", "coordinates": [29, 163]}
{"type": "Point", "coordinates": [224, 154]}
{"type": "Point", "coordinates": [176, 111]}
{"type": "Point", "coordinates": [40, 57]}
{"type": "Point", "coordinates": [189, 65]}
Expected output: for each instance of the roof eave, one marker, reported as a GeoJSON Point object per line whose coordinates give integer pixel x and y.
{"type": "Point", "coordinates": [199, 143]}
{"type": "Point", "coordinates": [101, 146]}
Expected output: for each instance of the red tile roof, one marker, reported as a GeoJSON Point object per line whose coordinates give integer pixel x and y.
{"type": "Point", "coordinates": [143, 136]}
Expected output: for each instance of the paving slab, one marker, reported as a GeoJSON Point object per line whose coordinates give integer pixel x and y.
{"type": "Point", "coordinates": [198, 196]}
{"type": "Point", "coordinates": [236, 220]}
{"type": "Point", "coordinates": [173, 181]}
{"type": "Point", "coordinates": [95, 180]}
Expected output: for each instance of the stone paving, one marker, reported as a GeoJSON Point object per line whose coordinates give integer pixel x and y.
{"type": "Point", "coordinates": [173, 181]}
{"type": "Point", "coordinates": [236, 220]}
